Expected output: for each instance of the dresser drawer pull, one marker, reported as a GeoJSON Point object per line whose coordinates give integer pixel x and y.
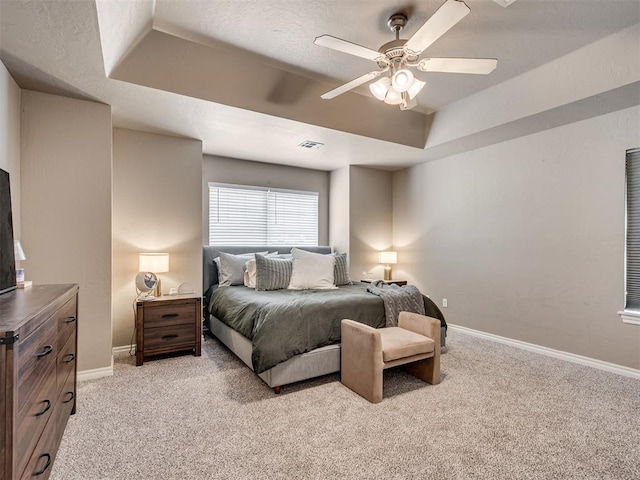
{"type": "Point", "coordinates": [70, 398]}
{"type": "Point", "coordinates": [46, 466]}
{"type": "Point", "coordinates": [46, 409]}
{"type": "Point", "coordinates": [46, 351]}
{"type": "Point", "coordinates": [170, 315]}
{"type": "Point", "coordinates": [70, 320]}
{"type": "Point", "coordinates": [169, 337]}
{"type": "Point", "coordinates": [69, 357]}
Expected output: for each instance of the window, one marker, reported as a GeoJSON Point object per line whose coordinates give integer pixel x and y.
{"type": "Point", "coordinates": [251, 216]}
{"type": "Point", "coordinates": [632, 251]}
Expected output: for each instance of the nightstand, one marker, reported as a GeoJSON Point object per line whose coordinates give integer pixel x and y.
{"type": "Point", "coordinates": [168, 324]}
{"type": "Point", "coordinates": [400, 283]}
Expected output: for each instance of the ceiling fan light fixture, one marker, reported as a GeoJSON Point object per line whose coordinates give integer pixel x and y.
{"type": "Point", "coordinates": [393, 97]}
{"type": "Point", "coordinates": [402, 80]}
{"type": "Point", "coordinates": [380, 88]}
{"type": "Point", "coordinates": [415, 88]}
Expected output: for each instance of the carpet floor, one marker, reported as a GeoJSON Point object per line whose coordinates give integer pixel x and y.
{"type": "Point", "coordinates": [499, 413]}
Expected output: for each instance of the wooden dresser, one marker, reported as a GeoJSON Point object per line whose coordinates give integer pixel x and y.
{"type": "Point", "coordinates": [38, 344]}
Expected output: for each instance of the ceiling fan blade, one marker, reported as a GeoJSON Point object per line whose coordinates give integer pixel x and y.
{"type": "Point", "coordinates": [479, 66]}
{"type": "Point", "coordinates": [356, 82]}
{"type": "Point", "coordinates": [450, 13]}
{"type": "Point", "coordinates": [348, 47]}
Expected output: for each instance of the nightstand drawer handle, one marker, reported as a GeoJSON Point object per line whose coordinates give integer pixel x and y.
{"type": "Point", "coordinates": [70, 320]}
{"type": "Point", "coordinates": [170, 315]}
{"type": "Point", "coordinates": [47, 465]}
{"type": "Point", "coordinates": [46, 409]}
{"type": "Point", "coordinates": [46, 351]}
{"type": "Point", "coordinates": [69, 357]}
{"type": "Point", "coordinates": [70, 398]}
{"type": "Point", "coordinates": [169, 337]}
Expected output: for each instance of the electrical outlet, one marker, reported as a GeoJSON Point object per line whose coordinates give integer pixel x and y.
{"type": "Point", "coordinates": [444, 302]}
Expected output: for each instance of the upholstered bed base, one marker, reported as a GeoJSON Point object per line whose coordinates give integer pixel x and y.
{"type": "Point", "coordinates": [315, 363]}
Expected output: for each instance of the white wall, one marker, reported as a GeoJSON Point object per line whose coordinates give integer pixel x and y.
{"type": "Point", "coordinates": [10, 140]}
{"type": "Point", "coordinates": [526, 238]}
{"type": "Point", "coordinates": [66, 209]}
{"type": "Point", "coordinates": [157, 207]}
{"type": "Point", "coordinates": [243, 172]}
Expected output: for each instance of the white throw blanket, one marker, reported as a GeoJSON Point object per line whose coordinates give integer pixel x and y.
{"type": "Point", "coordinates": [397, 299]}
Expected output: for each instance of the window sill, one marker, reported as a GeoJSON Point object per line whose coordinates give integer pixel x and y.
{"type": "Point", "coordinates": [630, 316]}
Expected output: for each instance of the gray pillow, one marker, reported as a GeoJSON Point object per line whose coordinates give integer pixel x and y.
{"type": "Point", "coordinates": [231, 268]}
{"type": "Point", "coordinates": [341, 270]}
{"type": "Point", "coordinates": [273, 273]}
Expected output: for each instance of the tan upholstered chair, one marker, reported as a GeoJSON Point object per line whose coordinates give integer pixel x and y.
{"type": "Point", "coordinates": [367, 351]}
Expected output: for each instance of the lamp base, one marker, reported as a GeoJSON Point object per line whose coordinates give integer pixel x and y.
{"type": "Point", "coordinates": [387, 272]}
{"type": "Point", "coordinates": [157, 292]}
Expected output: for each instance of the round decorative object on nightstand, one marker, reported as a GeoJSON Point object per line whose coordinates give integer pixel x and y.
{"type": "Point", "coordinates": [146, 282]}
{"type": "Point", "coordinates": [186, 288]}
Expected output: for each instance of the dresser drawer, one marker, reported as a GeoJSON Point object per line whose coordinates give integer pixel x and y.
{"type": "Point", "coordinates": [67, 320]}
{"type": "Point", "coordinates": [33, 418]}
{"type": "Point", "coordinates": [65, 402]}
{"type": "Point", "coordinates": [41, 460]}
{"type": "Point", "coordinates": [66, 361]}
{"type": "Point", "coordinates": [158, 340]}
{"type": "Point", "coordinates": [34, 356]}
{"type": "Point", "coordinates": [167, 315]}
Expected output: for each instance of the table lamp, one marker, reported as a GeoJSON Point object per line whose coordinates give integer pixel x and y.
{"type": "Point", "coordinates": [388, 258]}
{"type": "Point", "coordinates": [154, 263]}
{"type": "Point", "coordinates": [19, 255]}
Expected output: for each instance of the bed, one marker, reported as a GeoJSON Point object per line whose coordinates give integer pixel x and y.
{"type": "Point", "coordinates": [286, 336]}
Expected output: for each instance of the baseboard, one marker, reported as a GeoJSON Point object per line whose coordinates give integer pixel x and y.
{"type": "Point", "coordinates": [550, 352]}
{"type": "Point", "coordinates": [123, 349]}
{"type": "Point", "coordinates": [96, 372]}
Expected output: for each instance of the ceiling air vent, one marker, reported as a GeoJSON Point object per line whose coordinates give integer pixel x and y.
{"type": "Point", "coordinates": [504, 3]}
{"type": "Point", "coordinates": [310, 145]}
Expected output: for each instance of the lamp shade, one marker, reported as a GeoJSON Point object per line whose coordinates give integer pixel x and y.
{"type": "Point", "coordinates": [153, 262]}
{"type": "Point", "coordinates": [18, 252]}
{"type": "Point", "coordinates": [388, 257]}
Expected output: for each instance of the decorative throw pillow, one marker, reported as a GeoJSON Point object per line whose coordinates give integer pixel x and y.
{"type": "Point", "coordinates": [341, 269]}
{"type": "Point", "coordinates": [231, 268]}
{"type": "Point", "coordinates": [250, 268]}
{"type": "Point", "coordinates": [272, 273]}
{"type": "Point", "coordinates": [311, 270]}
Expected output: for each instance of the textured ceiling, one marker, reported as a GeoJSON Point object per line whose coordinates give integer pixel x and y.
{"type": "Point", "coordinates": [76, 47]}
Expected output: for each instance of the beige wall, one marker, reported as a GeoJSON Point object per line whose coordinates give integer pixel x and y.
{"type": "Point", "coordinates": [339, 210]}
{"type": "Point", "coordinates": [157, 207]}
{"type": "Point", "coordinates": [10, 140]}
{"type": "Point", "coordinates": [371, 222]}
{"type": "Point", "coordinates": [242, 172]}
{"type": "Point", "coordinates": [66, 209]}
{"type": "Point", "coordinates": [526, 238]}
{"type": "Point", "coordinates": [361, 217]}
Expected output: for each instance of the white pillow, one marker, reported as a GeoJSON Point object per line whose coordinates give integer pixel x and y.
{"type": "Point", "coordinates": [311, 270]}
{"type": "Point", "coordinates": [231, 268]}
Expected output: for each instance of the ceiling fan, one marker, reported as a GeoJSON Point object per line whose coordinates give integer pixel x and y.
{"type": "Point", "coordinates": [396, 58]}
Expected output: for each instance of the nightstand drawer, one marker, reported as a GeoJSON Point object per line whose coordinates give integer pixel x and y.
{"type": "Point", "coordinates": [159, 339]}
{"type": "Point", "coordinates": [168, 315]}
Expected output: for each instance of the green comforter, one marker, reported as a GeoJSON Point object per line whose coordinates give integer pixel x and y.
{"type": "Point", "coordinates": [284, 323]}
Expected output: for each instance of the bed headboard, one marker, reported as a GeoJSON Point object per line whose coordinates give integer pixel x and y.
{"type": "Point", "coordinates": [210, 271]}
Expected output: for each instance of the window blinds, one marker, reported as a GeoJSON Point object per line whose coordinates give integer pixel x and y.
{"type": "Point", "coordinates": [632, 283]}
{"type": "Point", "coordinates": [251, 216]}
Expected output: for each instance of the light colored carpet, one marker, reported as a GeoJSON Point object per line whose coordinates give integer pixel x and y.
{"type": "Point", "coordinates": [499, 413]}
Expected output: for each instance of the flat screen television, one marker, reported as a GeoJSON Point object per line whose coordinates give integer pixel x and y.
{"type": "Point", "coordinates": [7, 257]}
